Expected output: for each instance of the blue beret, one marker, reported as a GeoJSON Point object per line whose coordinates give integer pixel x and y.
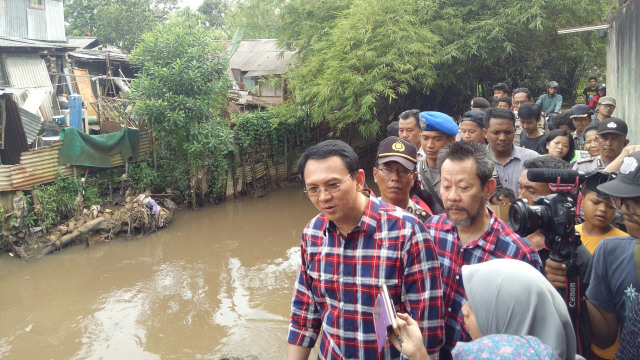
{"type": "Point", "coordinates": [437, 121]}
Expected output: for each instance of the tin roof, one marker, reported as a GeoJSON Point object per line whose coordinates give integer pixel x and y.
{"type": "Point", "coordinates": [13, 42]}
{"type": "Point", "coordinates": [260, 57]}
{"type": "Point", "coordinates": [83, 42]}
{"type": "Point", "coordinates": [98, 55]}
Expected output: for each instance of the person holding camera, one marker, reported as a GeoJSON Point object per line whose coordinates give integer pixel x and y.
{"type": "Point", "coordinates": [615, 267]}
{"type": "Point", "coordinates": [469, 232]}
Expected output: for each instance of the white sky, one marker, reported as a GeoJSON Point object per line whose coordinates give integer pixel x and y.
{"type": "Point", "coordinates": [193, 4]}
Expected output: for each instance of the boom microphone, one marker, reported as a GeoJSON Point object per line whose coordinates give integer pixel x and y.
{"type": "Point", "coordinates": [552, 175]}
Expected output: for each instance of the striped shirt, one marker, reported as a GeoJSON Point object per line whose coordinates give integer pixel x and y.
{"type": "Point", "coordinates": [340, 277]}
{"type": "Point", "coordinates": [510, 171]}
{"type": "Point", "coordinates": [497, 242]}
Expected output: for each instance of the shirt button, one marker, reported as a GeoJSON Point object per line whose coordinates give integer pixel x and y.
{"type": "Point", "coordinates": [348, 301]}
{"type": "Point", "coordinates": [461, 250]}
{"type": "Point", "coordinates": [449, 309]}
{"type": "Point", "coordinates": [348, 273]}
{"type": "Point", "coordinates": [457, 276]}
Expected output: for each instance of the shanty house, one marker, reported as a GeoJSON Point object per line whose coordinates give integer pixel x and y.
{"type": "Point", "coordinates": [256, 69]}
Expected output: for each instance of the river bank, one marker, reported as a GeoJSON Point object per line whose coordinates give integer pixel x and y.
{"type": "Point", "coordinates": [215, 284]}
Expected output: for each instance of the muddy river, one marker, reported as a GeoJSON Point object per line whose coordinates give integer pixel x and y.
{"type": "Point", "coordinates": [215, 284]}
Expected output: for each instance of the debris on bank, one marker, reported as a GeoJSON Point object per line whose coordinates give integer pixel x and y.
{"type": "Point", "coordinates": [140, 215]}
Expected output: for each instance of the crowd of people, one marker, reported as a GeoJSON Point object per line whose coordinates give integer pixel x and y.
{"type": "Point", "coordinates": [465, 285]}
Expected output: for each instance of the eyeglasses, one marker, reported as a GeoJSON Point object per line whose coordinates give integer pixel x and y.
{"type": "Point", "coordinates": [619, 202]}
{"type": "Point", "coordinates": [388, 172]}
{"type": "Point", "coordinates": [331, 188]}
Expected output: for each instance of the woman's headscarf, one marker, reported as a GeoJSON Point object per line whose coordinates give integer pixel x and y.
{"type": "Point", "coordinates": [504, 347]}
{"type": "Point", "coordinates": [511, 297]}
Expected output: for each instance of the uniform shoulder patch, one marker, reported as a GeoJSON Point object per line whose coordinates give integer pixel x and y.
{"type": "Point", "coordinates": [584, 161]}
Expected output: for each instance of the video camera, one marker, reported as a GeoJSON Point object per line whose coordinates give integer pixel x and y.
{"type": "Point", "coordinates": [554, 214]}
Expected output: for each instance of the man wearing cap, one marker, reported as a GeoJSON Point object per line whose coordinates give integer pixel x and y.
{"type": "Point", "coordinates": [606, 106]}
{"type": "Point", "coordinates": [613, 272]}
{"type": "Point", "coordinates": [581, 117]}
{"type": "Point", "coordinates": [479, 103]}
{"type": "Point", "coordinates": [551, 102]}
{"type": "Point", "coordinates": [472, 127]}
{"type": "Point", "coordinates": [509, 159]}
{"type": "Point", "coordinates": [612, 135]}
{"type": "Point", "coordinates": [469, 232]}
{"type": "Point", "coordinates": [438, 129]}
{"type": "Point", "coordinates": [394, 172]}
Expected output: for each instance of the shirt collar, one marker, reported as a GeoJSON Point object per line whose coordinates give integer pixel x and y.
{"type": "Point", "coordinates": [370, 218]}
{"type": "Point", "coordinates": [487, 240]}
{"type": "Point", "coordinates": [515, 153]}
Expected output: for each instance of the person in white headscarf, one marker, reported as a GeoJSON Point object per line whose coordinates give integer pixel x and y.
{"type": "Point", "coordinates": [508, 296]}
{"type": "Point", "coordinates": [505, 296]}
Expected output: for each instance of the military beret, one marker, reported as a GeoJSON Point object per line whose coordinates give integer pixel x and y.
{"type": "Point", "coordinates": [437, 121]}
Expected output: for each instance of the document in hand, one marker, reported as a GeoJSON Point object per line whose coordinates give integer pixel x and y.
{"type": "Point", "coordinates": [384, 315]}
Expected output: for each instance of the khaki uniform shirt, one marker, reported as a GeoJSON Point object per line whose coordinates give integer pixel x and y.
{"type": "Point", "coordinates": [588, 166]}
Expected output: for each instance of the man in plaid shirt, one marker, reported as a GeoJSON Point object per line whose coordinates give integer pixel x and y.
{"type": "Point", "coordinates": [349, 250]}
{"type": "Point", "coordinates": [469, 232]}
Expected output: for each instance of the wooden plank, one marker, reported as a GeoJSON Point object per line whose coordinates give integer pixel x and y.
{"type": "Point", "coordinates": [83, 84]}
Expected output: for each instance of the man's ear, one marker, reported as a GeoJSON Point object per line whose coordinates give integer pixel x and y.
{"type": "Point", "coordinates": [360, 179]}
{"type": "Point", "coordinates": [375, 174]}
{"type": "Point", "coordinates": [489, 189]}
{"type": "Point", "coordinates": [626, 142]}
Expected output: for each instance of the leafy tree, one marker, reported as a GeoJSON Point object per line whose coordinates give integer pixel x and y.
{"type": "Point", "coordinates": [376, 53]}
{"type": "Point", "coordinates": [259, 18]}
{"type": "Point", "coordinates": [214, 11]}
{"type": "Point", "coordinates": [180, 92]}
{"type": "Point", "coordinates": [116, 22]}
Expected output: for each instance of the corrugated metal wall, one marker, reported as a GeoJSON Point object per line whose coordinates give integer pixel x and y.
{"type": "Point", "coordinates": [28, 71]}
{"type": "Point", "coordinates": [18, 20]}
{"type": "Point", "coordinates": [623, 58]}
{"type": "Point", "coordinates": [41, 166]}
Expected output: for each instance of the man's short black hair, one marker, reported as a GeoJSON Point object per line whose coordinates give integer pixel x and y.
{"type": "Point", "coordinates": [563, 118]}
{"type": "Point", "coordinates": [523, 90]}
{"type": "Point", "coordinates": [593, 78]}
{"type": "Point", "coordinates": [327, 149]}
{"type": "Point", "coordinates": [464, 150]}
{"type": "Point", "coordinates": [546, 162]}
{"type": "Point", "coordinates": [529, 111]}
{"type": "Point", "coordinates": [500, 87]}
{"type": "Point", "coordinates": [392, 129]}
{"type": "Point", "coordinates": [408, 114]}
{"type": "Point", "coordinates": [479, 102]}
{"type": "Point", "coordinates": [495, 101]}
{"type": "Point", "coordinates": [591, 127]}
{"type": "Point", "coordinates": [498, 113]}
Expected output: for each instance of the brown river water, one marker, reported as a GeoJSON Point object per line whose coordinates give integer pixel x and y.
{"type": "Point", "coordinates": [215, 284]}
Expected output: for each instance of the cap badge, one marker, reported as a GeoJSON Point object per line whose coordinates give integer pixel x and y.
{"type": "Point", "coordinates": [612, 125]}
{"type": "Point", "coordinates": [398, 146]}
{"type": "Point", "coordinates": [629, 164]}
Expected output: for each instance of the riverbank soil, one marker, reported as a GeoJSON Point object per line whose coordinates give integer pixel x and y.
{"type": "Point", "coordinates": [139, 215]}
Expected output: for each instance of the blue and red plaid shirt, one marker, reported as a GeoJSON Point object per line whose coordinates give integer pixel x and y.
{"type": "Point", "coordinates": [497, 242]}
{"type": "Point", "coordinates": [340, 277]}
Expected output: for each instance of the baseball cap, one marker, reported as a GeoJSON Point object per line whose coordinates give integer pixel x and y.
{"type": "Point", "coordinates": [613, 126]}
{"type": "Point", "coordinates": [607, 100]}
{"type": "Point", "coordinates": [627, 184]}
{"type": "Point", "coordinates": [397, 149]}
{"type": "Point", "coordinates": [437, 121]}
{"type": "Point", "coordinates": [580, 110]}
{"type": "Point", "coordinates": [593, 180]}
{"type": "Point", "coordinates": [474, 115]}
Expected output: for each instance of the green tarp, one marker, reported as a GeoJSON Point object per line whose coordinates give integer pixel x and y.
{"type": "Point", "coordinates": [96, 150]}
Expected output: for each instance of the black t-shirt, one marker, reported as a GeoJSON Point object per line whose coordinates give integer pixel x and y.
{"type": "Point", "coordinates": [589, 93]}
{"type": "Point", "coordinates": [535, 144]}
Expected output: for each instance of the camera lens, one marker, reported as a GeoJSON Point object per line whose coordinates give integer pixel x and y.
{"type": "Point", "coordinates": [524, 219]}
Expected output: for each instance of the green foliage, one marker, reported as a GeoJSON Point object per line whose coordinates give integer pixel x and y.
{"type": "Point", "coordinates": [375, 53]}
{"type": "Point", "coordinates": [91, 197]}
{"type": "Point", "coordinates": [142, 176]}
{"type": "Point", "coordinates": [180, 91]}
{"type": "Point", "coordinates": [57, 200]}
{"type": "Point", "coordinates": [117, 22]}
{"type": "Point", "coordinates": [259, 18]}
{"type": "Point", "coordinates": [262, 132]}
{"type": "Point", "coordinates": [214, 12]}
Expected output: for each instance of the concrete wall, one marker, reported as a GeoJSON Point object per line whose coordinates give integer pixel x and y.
{"type": "Point", "coordinates": [623, 73]}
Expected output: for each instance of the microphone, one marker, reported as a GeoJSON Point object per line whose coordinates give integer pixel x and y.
{"type": "Point", "coordinates": [552, 175]}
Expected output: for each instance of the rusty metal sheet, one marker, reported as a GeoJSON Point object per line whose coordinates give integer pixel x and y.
{"type": "Point", "coordinates": [41, 166]}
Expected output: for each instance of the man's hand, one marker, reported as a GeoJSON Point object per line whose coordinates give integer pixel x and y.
{"type": "Point", "coordinates": [556, 274]}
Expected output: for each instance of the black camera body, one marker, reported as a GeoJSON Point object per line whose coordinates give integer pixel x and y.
{"type": "Point", "coordinates": [554, 215]}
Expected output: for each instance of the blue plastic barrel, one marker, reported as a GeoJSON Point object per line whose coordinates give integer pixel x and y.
{"type": "Point", "coordinates": [75, 111]}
